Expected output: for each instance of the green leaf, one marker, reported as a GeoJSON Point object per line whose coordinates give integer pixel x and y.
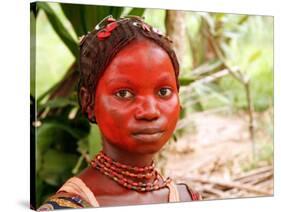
{"type": "Point", "coordinates": [58, 102]}
{"type": "Point", "coordinates": [184, 81]}
{"type": "Point", "coordinates": [32, 53]}
{"type": "Point", "coordinates": [47, 135]}
{"type": "Point", "coordinates": [243, 19]}
{"type": "Point", "coordinates": [83, 145]}
{"type": "Point", "coordinates": [219, 16]}
{"type": "Point", "coordinates": [33, 9]}
{"type": "Point", "coordinates": [57, 166]}
{"type": "Point", "coordinates": [84, 17]}
{"type": "Point", "coordinates": [254, 56]}
{"type": "Point", "coordinates": [94, 139]}
{"type": "Point", "coordinates": [77, 133]}
{"type": "Point", "coordinates": [92, 15]}
{"type": "Point", "coordinates": [78, 165]}
{"type": "Point", "coordinates": [137, 12]}
{"type": "Point", "coordinates": [59, 28]}
{"type": "Point", "coordinates": [74, 14]}
{"type": "Point", "coordinates": [116, 11]}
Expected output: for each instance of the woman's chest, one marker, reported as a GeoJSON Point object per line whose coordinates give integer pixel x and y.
{"type": "Point", "coordinates": [133, 198]}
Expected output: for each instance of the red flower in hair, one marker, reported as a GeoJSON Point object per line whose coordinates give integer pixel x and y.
{"type": "Point", "coordinates": [106, 32]}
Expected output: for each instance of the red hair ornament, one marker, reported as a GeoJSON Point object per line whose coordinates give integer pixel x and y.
{"type": "Point", "coordinates": [112, 24]}
{"type": "Point", "coordinates": [106, 32]}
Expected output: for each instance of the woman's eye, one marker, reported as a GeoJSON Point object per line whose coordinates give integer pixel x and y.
{"type": "Point", "coordinates": [165, 92]}
{"type": "Point", "coordinates": [125, 94]}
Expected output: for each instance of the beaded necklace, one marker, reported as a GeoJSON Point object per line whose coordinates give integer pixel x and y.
{"type": "Point", "coordinates": [130, 177]}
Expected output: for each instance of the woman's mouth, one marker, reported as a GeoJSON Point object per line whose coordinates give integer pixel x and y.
{"type": "Point", "coordinates": [148, 134]}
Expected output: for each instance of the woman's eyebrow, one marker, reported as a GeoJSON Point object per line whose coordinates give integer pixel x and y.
{"type": "Point", "coordinates": [161, 78]}
{"type": "Point", "coordinates": [165, 77]}
{"type": "Point", "coordinates": [117, 80]}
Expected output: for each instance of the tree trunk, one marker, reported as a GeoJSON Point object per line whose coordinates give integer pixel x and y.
{"type": "Point", "coordinates": [175, 29]}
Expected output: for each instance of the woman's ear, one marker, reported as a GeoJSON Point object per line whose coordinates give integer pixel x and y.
{"type": "Point", "coordinates": [85, 100]}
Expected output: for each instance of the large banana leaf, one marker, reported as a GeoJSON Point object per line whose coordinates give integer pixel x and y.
{"type": "Point", "coordinates": [59, 140]}
{"type": "Point", "coordinates": [60, 29]}
{"type": "Point", "coordinates": [84, 17]}
{"type": "Point", "coordinates": [137, 11]}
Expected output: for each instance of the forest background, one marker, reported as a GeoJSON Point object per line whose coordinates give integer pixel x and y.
{"type": "Point", "coordinates": [223, 144]}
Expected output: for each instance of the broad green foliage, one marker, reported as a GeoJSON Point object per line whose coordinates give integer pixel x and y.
{"type": "Point", "coordinates": [246, 43]}
{"type": "Point", "coordinates": [65, 139]}
{"type": "Point", "coordinates": [59, 28]}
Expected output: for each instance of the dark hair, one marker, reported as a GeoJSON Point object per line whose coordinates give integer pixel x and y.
{"type": "Point", "coordinates": [96, 50]}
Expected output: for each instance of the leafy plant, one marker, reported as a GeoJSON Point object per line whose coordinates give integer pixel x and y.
{"type": "Point", "coordinates": [65, 141]}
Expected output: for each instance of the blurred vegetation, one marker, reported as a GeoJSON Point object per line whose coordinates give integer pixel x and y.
{"type": "Point", "coordinates": [66, 140]}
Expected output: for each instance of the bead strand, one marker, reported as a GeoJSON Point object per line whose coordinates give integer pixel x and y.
{"type": "Point", "coordinates": [123, 166]}
{"type": "Point", "coordinates": [129, 176]}
{"type": "Point", "coordinates": [126, 172]}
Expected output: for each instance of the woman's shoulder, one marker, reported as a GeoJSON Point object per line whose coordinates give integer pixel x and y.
{"type": "Point", "coordinates": [63, 200]}
{"type": "Point", "coordinates": [187, 193]}
{"type": "Point", "coordinates": [72, 194]}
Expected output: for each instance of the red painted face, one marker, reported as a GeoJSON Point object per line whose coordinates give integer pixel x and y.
{"type": "Point", "coordinates": [136, 102]}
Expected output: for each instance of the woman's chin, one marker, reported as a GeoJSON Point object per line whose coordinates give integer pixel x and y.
{"type": "Point", "coordinates": [148, 147]}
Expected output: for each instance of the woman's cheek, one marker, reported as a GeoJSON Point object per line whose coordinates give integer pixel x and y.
{"type": "Point", "coordinates": [114, 119]}
{"type": "Point", "coordinates": [171, 108]}
{"type": "Point", "coordinates": [172, 111]}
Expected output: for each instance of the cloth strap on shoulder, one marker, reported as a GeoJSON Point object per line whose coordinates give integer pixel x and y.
{"type": "Point", "coordinates": [76, 186]}
{"type": "Point", "coordinates": [173, 192]}
{"type": "Point", "coordinates": [194, 195]}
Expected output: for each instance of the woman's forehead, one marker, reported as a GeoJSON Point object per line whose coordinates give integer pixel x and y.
{"type": "Point", "coordinates": [142, 47]}
{"type": "Point", "coordinates": [138, 73]}
{"type": "Point", "coordinates": [145, 55]}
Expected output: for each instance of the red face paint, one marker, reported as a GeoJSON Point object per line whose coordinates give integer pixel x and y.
{"type": "Point", "coordinates": [136, 102]}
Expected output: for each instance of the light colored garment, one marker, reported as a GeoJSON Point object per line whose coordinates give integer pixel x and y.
{"type": "Point", "coordinates": [75, 194]}
{"type": "Point", "coordinates": [76, 186]}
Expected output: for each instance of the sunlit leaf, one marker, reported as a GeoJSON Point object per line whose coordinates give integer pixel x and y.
{"type": "Point", "coordinates": [255, 55]}
{"type": "Point", "coordinates": [137, 11]}
{"type": "Point", "coordinates": [94, 140]}
{"type": "Point", "coordinates": [32, 53]}
{"type": "Point", "coordinates": [219, 16]}
{"type": "Point", "coordinates": [184, 81]}
{"type": "Point", "coordinates": [243, 19]}
{"type": "Point", "coordinates": [59, 28]}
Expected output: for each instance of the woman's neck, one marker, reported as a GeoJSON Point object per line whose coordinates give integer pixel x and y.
{"type": "Point", "coordinates": [125, 157]}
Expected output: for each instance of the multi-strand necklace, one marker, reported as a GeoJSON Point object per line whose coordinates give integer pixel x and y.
{"type": "Point", "coordinates": [130, 177]}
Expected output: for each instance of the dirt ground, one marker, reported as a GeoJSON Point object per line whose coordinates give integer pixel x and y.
{"type": "Point", "coordinates": [216, 156]}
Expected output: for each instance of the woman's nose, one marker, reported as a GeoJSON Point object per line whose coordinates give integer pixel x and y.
{"type": "Point", "coordinates": [147, 109]}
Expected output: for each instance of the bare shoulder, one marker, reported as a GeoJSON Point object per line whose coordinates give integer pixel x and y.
{"type": "Point", "coordinates": [95, 181]}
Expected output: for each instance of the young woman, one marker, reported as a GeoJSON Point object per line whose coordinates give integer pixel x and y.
{"type": "Point", "coordinates": [129, 88]}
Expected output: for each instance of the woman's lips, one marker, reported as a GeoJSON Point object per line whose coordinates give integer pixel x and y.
{"type": "Point", "coordinates": [148, 134]}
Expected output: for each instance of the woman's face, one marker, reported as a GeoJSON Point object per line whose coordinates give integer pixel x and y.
{"type": "Point", "coordinates": [136, 101]}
